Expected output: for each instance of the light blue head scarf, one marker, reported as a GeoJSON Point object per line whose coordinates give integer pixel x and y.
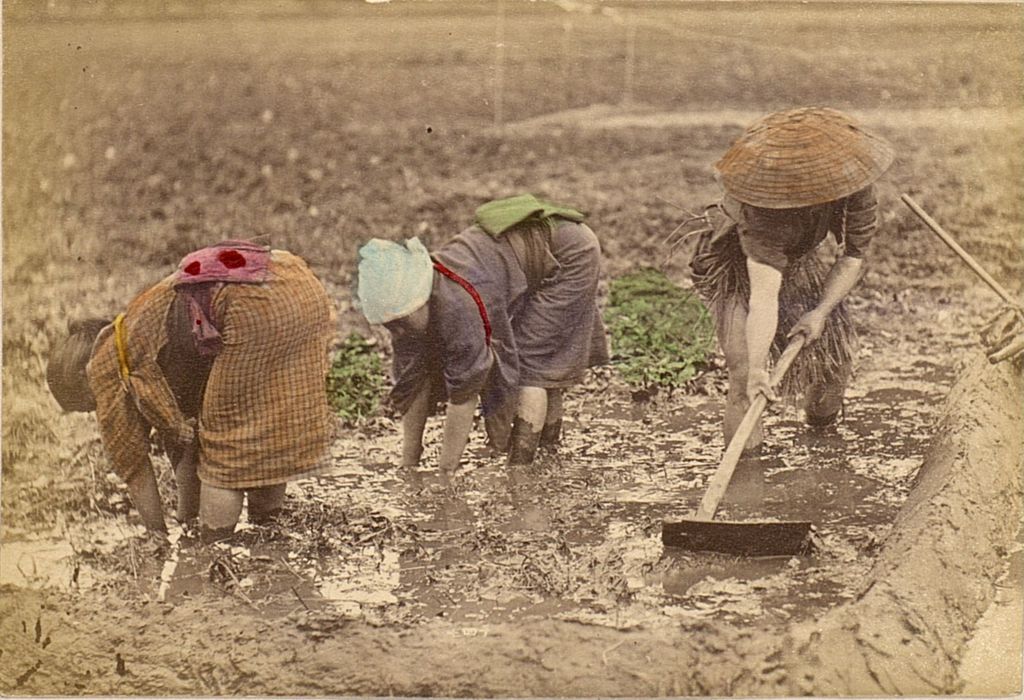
{"type": "Point", "coordinates": [394, 279]}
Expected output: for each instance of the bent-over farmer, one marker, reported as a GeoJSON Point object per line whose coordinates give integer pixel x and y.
{"type": "Point", "coordinates": [506, 311]}
{"type": "Point", "coordinates": [791, 179]}
{"type": "Point", "coordinates": [225, 359]}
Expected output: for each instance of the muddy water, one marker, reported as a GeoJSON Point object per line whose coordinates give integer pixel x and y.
{"type": "Point", "coordinates": [66, 557]}
{"type": "Point", "coordinates": [576, 535]}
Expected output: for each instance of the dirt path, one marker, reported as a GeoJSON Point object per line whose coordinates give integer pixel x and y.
{"type": "Point", "coordinates": [604, 116]}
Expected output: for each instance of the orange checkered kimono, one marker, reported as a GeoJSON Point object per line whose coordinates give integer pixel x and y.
{"type": "Point", "coordinates": [263, 417]}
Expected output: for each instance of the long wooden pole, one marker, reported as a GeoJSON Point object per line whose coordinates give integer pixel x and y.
{"type": "Point", "coordinates": [719, 481]}
{"type": "Point", "coordinates": [630, 59]}
{"type": "Point", "coordinates": [964, 255]}
{"type": "Point", "coordinates": [499, 66]}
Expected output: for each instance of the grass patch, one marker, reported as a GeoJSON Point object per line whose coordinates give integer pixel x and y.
{"type": "Point", "coordinates": [355, 381]}
{"type": "Point", "coordinates": [661, 334]}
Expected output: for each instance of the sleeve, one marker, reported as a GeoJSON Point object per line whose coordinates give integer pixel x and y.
{"type": "Point", "coordinates": [466, 357]}
{"type": "Point", "coordinates": [860, 212]}
{"type": "Point", "coordinates": [157, 403]}
{"type": "Point", "coordinates": [412, 363]}
{"type": "Point", "coordinates": [123, 429]}
{"type": "Point", "coordinates": [146, 334]}
{"type": "Point", "coordinates": [763, 234]}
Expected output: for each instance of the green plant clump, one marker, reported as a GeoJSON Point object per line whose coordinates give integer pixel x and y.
{"type": "Point", "coordinates": [661, 334]}
{"type": "Point", "coordinates": [355, 380]}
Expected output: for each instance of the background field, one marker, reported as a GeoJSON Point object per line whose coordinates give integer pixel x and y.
{"type": "Point", "coordinates": [131, 136]}
{"type": "Point", "coordinates": [374, 120]}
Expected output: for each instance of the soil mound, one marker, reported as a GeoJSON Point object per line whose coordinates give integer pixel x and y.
{"type": "Point", "coordinates": [934, 576]}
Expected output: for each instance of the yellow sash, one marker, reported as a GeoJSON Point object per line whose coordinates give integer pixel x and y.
{"type": "Point", "coordinates": [121, 345]}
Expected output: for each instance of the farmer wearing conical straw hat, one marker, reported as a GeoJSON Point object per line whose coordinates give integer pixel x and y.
{"type": "Point", "coordinates": [225, 359]}
{"type": "Point", "coordinates": [506, 311]}
{"type": "Point", "coordinates": [791, 179]}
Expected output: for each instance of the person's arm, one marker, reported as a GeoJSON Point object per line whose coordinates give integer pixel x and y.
{"type": "Point", "coordinates": [762, 322]}
{"type": "Point", "coordinates": [125, 434]}
{"type": "Point", "coordinates": [857, 220]}
{"type": "Point", "coordinates": [144, 334]}
{"type": "Point", "coordinates": [156, 401]}
{"type": "Point", "coordinates": [458, 422]}
{"type": "Point", "coordinates": [146, 498]}
{"type": "Point", "coordinates": [842, 278]}
{"type": "Point", "coordinates": [413, 422]}
{"type": "Point", "coordinates": [186, 478]}
{"type": "Point", "coordinates": [468, 360]}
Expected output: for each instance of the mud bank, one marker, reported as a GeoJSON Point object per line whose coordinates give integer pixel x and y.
{"type": "Point", "coordinates": [903, 633]}
{"type": "Point", "coordinates": [935, 576]}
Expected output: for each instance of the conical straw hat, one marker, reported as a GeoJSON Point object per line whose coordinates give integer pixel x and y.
{"type": "Point", "coordinates": [802, 157]}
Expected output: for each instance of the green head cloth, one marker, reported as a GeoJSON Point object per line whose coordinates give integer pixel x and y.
{"type": "Point", "coordinates": [502, 214]}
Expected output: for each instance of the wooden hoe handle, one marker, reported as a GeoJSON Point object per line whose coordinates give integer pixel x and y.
{"type": "Point", "coordinates": [720, 479]}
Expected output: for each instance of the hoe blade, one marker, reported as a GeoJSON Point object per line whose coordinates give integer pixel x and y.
{"type": "Point", "coordinates": [747, 539]}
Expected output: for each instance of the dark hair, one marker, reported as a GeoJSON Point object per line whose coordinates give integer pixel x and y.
{"type": "Point", "coordinates": [65, 371]}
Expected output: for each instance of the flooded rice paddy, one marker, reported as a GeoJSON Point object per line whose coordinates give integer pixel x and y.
{"type": "Point", "coordinates": [576, 536]}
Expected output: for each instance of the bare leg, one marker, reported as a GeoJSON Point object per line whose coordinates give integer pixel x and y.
{"type": "Point", "coordinates": [146, 497]}
{"type": "Point", "coordinates": [499, 426]}
{"type": "Point", "coordinates": [187, 480]}
{"type": "Point", "coordinates": [219, 510]}
{"type": "Point", "coordinates": [731, 329]}
{"type": "Point", "coordinates": [530, 416]}
{"type": "Point", "coordinates": [551, 435]}
{"type": "Point", "coordinates": [265, 503]}
{"type": "Point", "coordinates": [825, 399]}
{"type": "Point", "coordinates": [533, 404]}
